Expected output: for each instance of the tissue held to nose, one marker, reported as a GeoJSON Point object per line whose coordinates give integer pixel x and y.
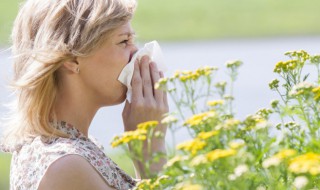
{"type": "Point", "coordinates": [151, 49]}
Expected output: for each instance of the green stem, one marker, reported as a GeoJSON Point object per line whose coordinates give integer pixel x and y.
{"type": "Point", "coordinates": [305, 117]}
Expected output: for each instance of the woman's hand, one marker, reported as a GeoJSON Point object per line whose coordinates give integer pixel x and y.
{"type": "Point", "coordinates": [146, 104]}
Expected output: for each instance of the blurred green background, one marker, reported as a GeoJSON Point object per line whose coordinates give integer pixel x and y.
{"type": "Point", "coordinates": [178, 20]}
{"type": "Point", "coordinates": [208, 19]}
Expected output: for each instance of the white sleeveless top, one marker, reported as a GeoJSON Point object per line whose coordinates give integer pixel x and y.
{"type": "Point", "coordinates": [31, 160]}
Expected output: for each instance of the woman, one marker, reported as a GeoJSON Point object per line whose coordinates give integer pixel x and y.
{"type": "Point", "coordinates": [68, 55]}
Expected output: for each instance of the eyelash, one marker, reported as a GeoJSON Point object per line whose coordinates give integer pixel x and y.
{"type": "Point", "coordinates": [127, 41]}
{"type": "Point", "coordinates": [124, 42]}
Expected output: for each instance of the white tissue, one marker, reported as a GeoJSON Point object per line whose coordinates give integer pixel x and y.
{"type": "Point", "coordinates": [153, 50]}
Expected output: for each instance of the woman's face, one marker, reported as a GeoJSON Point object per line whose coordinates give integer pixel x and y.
{"type": "Point", "coordinates": [99, 72]}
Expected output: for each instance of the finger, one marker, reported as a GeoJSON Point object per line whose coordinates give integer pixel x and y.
{"type": "Point", "coordinates": [136, 83]}
{"type": "Point", "coordinates": [155, 75]}
{"type": "Point", "coordinates": [165, 98]}
{"type": "Point", "coordinates": [146, 77]}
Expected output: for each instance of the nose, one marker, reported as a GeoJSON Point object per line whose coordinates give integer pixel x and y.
{"type": "Point", "coordinates": [133, 50]}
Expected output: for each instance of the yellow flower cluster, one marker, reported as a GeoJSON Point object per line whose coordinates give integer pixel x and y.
{"type": "Point", "coordinates": [255, 122]}
{"type": "Point", "coordinates": [306, 163]}
{"type": "Point", "coordinates": [143, 184]}
{"type": "Point", "coordinates": [316, 92]}
{"type": "Point", "coordinates": [161, 84]}
{"type": "Point", "coordinates": [228, 124]}
{"type": "Point", "coordinates": [302, 55]}
{"type": "Point", "coordinates": [285, 66]}
{"type": "Point", "coordinates": [147, 125]}
{"type": "Point", "coordinates": [188, 186]}
{"type": "Point", "coordinates": [148, 184]}
{"type": "Point", "coordinates": [278, 158]}
{"type": "Point", "coordinates": [234, 64]}
{"type": "Point", "coordinates": [169, 119]}
{"type": "Point", "coordinates": [220, 153]}
{"type": "Point", "coordinates": [193, 75]}
{"type": "Point", "coordinates": [215, 103]}
{"type": "Point", "coordinates": [192, 146]}
{"type": "Point", "coordinates": [206, 135]}
{"type": "Point", "coordinates": [303, 88]}
{"type": "Point", "coordinates": [315, 59]}
{"type": "Point", "coordinates": [285, 153]}
{"type": "Point", "coordinates": [139, 134]}
{"type": "Point", "coordinates": [236, 144]}
{"type": "Point", "coordinates": [274, 84]}
{"type": "Point", "coordinates": [175, 159]}
{"type": "Point", "coordinates": [199, 119]}
{"type": "Point", "coordinates": [199, 159]}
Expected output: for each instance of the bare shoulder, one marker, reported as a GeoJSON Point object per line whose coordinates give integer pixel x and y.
{"type": "Point", "coordinates": [72, 172]}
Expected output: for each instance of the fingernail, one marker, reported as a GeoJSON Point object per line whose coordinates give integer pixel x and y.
{"type": "Point", "coordinates": [145, 58]}
{"type": "Point", "coordinates": [153, 65]}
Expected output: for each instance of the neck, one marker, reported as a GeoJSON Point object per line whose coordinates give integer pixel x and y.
{"type": "Point", "coordinates": [75, 108]}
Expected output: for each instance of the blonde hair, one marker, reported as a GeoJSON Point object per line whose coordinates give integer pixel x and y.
{"type": "Point", "coordinates": [45, 34]}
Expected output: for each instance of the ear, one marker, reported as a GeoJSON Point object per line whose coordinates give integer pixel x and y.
{"type": "Point", "coordinates": [71, 66]}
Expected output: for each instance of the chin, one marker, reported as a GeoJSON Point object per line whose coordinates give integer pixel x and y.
{"type": "Point", "coordinates": [118, 100]}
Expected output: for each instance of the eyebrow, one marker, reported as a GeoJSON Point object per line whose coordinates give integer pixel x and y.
{"type": "Point", "coordinates": [127, 34]}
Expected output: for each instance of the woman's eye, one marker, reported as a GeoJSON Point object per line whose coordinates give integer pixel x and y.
{"type": "Point", "coordinates": [125, 41]}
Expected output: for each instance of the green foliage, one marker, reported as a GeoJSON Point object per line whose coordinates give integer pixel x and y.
{"type": "Point", "coordinates": [227, 153]}
{"type": "Point", "coordinates": [4, 170]}
{"type": "Point", "coordinates": [208, 19]}
{"type": "Point", "coordinates": [8, 11]}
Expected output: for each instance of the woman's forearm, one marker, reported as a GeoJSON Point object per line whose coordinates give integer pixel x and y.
{"type": "Point", "coordinates": [157, 146]}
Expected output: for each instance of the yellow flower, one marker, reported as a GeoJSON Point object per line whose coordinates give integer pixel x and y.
{"type": "Point", "coordinates": [234, 64]}
{"type": "Point", "coordinates": [188, 186]}
{"type": "Point", "coordinates": [192, 146]}
{"type": "Point", "coordinates": [169, 119]}
{"type": "Point", "coordinates": [255, 122]}
{"type": "Point", "coordinates": [205, 71]}
{"type": "Point", "coordinates": [236, 144]}
{"type": "Point", "coordinates": [286, 66]}
{"type": "Point", "coordinates": [301, 54]}
{"type": "Point", "coordinates": [143, 184]}
{"type": "Point", "coordinates": [174, 160]}
{"type": "Point", "coordinates": [199, 119]}
{"type": "Point", "coordinates": [139, 134]}
{"type": "Point", "coordinates": [147, 125]}
{"type": "Point", "coordinates": [285, 153]}
{"type": "Point", "coordinates": [306, 163]}
{"type": "Point", "coordinates": [185, 78]}
{"type": "Point", "coordinates": [199, 159]}
{"type": "Point", "coordinates": [228, 124]}
{"type": "Point", "coordinates": [316, 92]}
{"type": "Point", "coordinates": [160, 180]}
{"type": "Point", "coordinates": [221, 85]}
{"type": "Point", "coordinates": [215, 103]}
{"type": "Point", "coordinates": [278, 158]}
{"type": "Point", "coordinates": [274, 84]}
{"type": "Point", "coordinates": [206, 135]}
{"type": "Point", "coordinates": [176, 74]}
{"type": "Point", "coordinates": [161, 84]}
{"type": "Point", "coordinates": [303, 88]}
{"type": "Point", "coordinates": [315, 59]}
{"type": "Point", "coordinates": [220, 153]}
{"type": "Point", "coordinates": [272, 161]}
